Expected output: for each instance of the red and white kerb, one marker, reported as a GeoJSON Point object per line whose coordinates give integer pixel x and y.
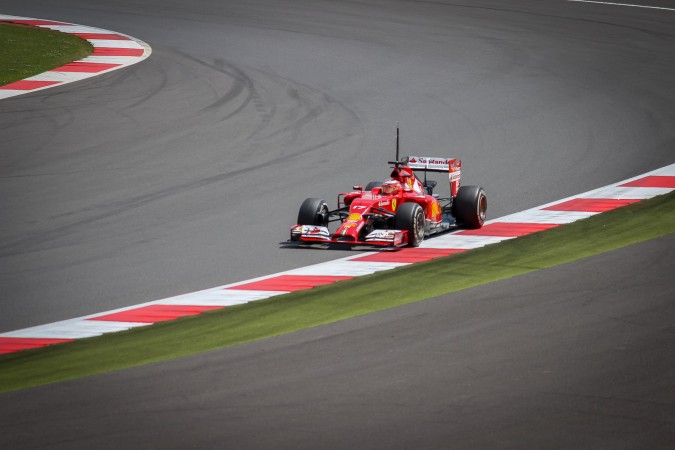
{"type": "Point", "coordinates": [112, 51]}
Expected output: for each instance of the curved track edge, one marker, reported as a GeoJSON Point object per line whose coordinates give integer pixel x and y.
{"type": "Point", "coordinates": [112, 51]}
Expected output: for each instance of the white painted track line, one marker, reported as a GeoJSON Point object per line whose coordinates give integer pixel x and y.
{"type": "Point", "coordinates": [622, 4]}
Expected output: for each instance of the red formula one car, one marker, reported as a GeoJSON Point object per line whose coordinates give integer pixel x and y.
{"type": "Point", "coordinates": [401, 211]}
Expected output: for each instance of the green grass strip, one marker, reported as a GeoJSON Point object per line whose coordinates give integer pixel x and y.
{"type": "Point", "coordinates": [283, 314]}
{"type": "Point", "coordinates": [26, 51]}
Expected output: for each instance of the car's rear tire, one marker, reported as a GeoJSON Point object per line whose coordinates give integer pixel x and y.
{"type": "Point", "coordinates": [372, 184]}
{"type": "Point", "coordinates": [313, 211]}
{"type": "Point", "coordinates": [410, 217]}
{"type": "Point", "coordinates": [470, 206]}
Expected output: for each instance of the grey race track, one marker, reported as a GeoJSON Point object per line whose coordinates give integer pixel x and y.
{"type": "Point", "coordinates": [186, 171]}
{"type": "Point", "coordinates": [578, 356]}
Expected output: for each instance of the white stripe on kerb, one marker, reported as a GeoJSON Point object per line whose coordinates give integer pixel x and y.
{"type": "Point", "coordinates": [110, 43]}
{"type": "Point", "coordinates": [218, 297]}
{"type": "Point", "coordinates": [70, 29]}
{"type": "Point", "coordinates": [344, 268]}
{"type": "Point", "coordinates": [466, 242]}
{"type": "Point", "coordinates": [110, 59]}
{"type": "Point", "coordinates": [73, 329]}
{"type": "Point", "coordinates": [7, 93]}
{"type": "Point", "coordinates": [626, 193]}
{"type": "Point", "coordinates": [544, 216]}
{"type": "Point", "coordinates": [63, 77]}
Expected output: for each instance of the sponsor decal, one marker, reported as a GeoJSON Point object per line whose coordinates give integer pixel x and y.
{"type": "Point", "coordinates": [381, 235]}
{"type": "Point", "coordinates": [394, 237]}
{"type": "Point", "coordinates": [439, 164]}
{"type": "Point", "coordinates": [311, 231]}
{"type": "Point", "coordinates": [393, 204]}
{"type": "Point", "coordinates": [354, 218]}
{"type": "Point", "coordinates": [384, 203]}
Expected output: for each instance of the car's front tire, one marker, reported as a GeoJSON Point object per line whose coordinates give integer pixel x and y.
{"type": "Point", "coordinates": [313, 211]}
{"type": "Point", "coordinates": [410, 217]}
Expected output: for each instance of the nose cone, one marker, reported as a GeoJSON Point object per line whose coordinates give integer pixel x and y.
{"type": "Point", "coordinates": [348, 232]}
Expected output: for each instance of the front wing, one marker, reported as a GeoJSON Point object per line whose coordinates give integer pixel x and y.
{"type": "Point", "coordinates": [379, 238]}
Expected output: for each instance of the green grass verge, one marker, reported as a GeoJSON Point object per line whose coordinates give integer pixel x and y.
{"type": "Point", "coordinates": [26, 51]}
{"type": "Point", "coordinates": [283, 314]}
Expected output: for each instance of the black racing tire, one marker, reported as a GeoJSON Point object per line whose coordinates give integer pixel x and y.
{"type": "Point", "coordinates": [372, 184]}
{"type": "Point", "coordinates": [313, 211]}
{"type": "Point", "coordinates": [410, 217]}
{"type": "Point", "coordinates": [470, 207]}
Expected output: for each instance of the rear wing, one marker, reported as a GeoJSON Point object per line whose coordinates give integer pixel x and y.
{"type": "Point", "coordinates": [431, 164]}
{"type": "Point", "coordinates": [451, 166]}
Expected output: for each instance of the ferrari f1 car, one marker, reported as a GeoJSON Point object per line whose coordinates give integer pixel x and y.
{"type": "Point", "coordinates": [401, 211]}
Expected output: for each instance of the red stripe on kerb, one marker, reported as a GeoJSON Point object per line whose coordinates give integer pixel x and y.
{"type": "Point", "coordinates": [656, 181]}
{"type": "Point", "coordinates": [35, 22]}
{"type": "Point", "coordinates": [156, 313]}
{"type": "Point", "coordinates": [506, 229]}
{"type": "Point", "coordinates": [28, 85]}
{"type": "Point", "coordinates": [290, 283]}
{"type": "Point", "coordinates": [102, 36]}
{"type": "Point", "coordinates": [408, 255]}
{"type": "Point", "coordinates": [117, 51]}
{"type": "Point", "coordinates": [591, 204]}
{"type": "Point", "coordinates": [11, 345]}
{"type": "Point", "coordinates": [85, 67]}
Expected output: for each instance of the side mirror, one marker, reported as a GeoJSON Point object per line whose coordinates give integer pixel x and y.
{"type": "Point", "coordinates": [357, 188]}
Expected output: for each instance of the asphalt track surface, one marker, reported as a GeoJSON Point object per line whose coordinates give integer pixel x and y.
{"type": "Point", "coordinates": [185, 172]}
{"type": "Point", "coordinates": [577, 356]}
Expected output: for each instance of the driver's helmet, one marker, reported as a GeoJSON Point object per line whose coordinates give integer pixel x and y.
{"type": "Point", "coordinates": [391, 187]}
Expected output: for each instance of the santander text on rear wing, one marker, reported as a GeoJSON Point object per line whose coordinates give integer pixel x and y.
{"type": "Point", "coordinates": [451, 166]}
